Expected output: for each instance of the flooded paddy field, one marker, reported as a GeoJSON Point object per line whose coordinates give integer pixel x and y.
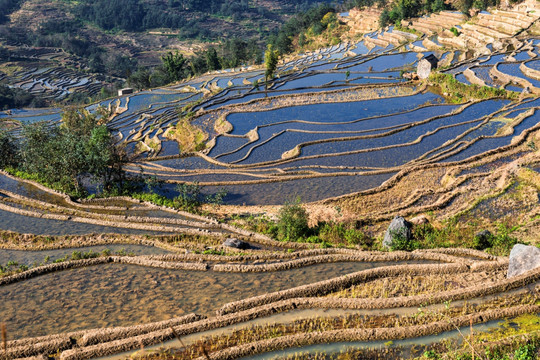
{"type": "Point", "coordinates": [342, 130]}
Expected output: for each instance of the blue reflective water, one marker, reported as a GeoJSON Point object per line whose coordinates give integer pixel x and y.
{"type": "Point", "coordinates": [522, 56]}
{"type": "Point", "coordinates": [244, 122]}
{"type": "Point", "coordinates": [360, 49]}
{"type": "Point", "coordinates": [408, 135]}
{"type": "Point", "coordinates": [313, 80]}
{"type": "Point", "coordinates": [37, 118]}
{"type": "Point", "coordinates": [483, 73]}
{"type": "Point", "coordinates": [31, 257]}
{"type": "Point", "coordinates": [273, 149]}
{"type": "Point", "coordinates": [461, 78]}
{"type": "Point", "coordinates": [510, 69]}
{"type": "Point", "coordinates": [226, 144]}
{"type": "Point", "coordinates": [484, 145]}
{"type": "Point", "coordinates": [20, 113]}
{"type": "Point", "coordinates": [308, 190]}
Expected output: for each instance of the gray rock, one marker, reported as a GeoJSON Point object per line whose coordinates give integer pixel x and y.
{"type": "Point", "coordinates": [398, 226]}
{"type": "Point", "coordinates": [237, 244]}
{"type": "Point", "coordinates": [523, 258]}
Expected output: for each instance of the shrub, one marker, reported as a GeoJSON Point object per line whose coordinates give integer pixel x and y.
{"type": "Point", "coordinates": [357, 237]}
{"type": "Point", "coordinates": [431, 354]}
{"type": "Point", "coordinates": [188, 197]}
{"type": "Point", "coordinates": [503, 242]}
{"type": "Point", "coordinates": [342, 233]}
{"type": "Point", "coordinates": [400, 242]}
{"type": "Point", "coordinates": [292, 222]}
{"type": "Point", "coordinates": [313, 239]}
{"type": "Point", "coordinates": [525, 352]}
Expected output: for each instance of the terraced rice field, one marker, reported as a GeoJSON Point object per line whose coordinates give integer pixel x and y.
{"type": "Point", "coordinates": [50, 74]}
{"type": "Point", "coordinates": [341, 129]}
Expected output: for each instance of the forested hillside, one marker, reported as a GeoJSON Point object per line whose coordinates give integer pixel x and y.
{"type": "Point", "coordinates": [117, 36]}
{"type": "Point", "coordinates": [187, 18]}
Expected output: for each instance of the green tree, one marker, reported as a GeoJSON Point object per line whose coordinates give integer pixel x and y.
{"type": "Point", "coordinates": [464, 6]}
{"type": "Point", "coordinates": [81, 147]}
{"type": "Point", "coordinates": [14, 98]}
{"type": "Point", "coordinates": [302, 40]}
{"type": "Point", "coordinates": [271, 58]}
{"type": "Point", "coordinates": [175, 65]}
{"type": "Point", "coordinates": [437, 6]}
{"type": "Point", "coordinates": [140, 79]}
{"type": "Point", "coordinates": [329, 20]}
{"type": "Point", "coordinates": [198, 64]}
{"type": "Point", "coordinates": [105, 160]}
{"type": "Point", "coordinates": [79, 122]}
{"type": "Point", "coordinates": [8, 150]}
{"type": "Point", "coordinates": [384, 18]}
{"type": "Point", "coordinates": [212, 60]}
{"type": "Point", "coordinates": [189, 197]}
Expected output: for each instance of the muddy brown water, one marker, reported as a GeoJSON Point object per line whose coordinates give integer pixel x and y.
{"type": "Point", "coordinates": [122, 295]}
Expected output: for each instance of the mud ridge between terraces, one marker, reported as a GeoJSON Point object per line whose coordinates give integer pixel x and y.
{"type": "Point", "coordinates": [131, 260]}
{"type": "Point", "coordinates": [111, 223]}
{"type": "Point", "coordinates": [510, 78]}
{"type": "Point", "coordinates": [152, 338]}
{"type": "Point", "coordinates": [368, 256]}
{"type": "Point", "coordinates": [53, 343]}
{"type": "Point", "coordinates": [400, 127]}
{"type": "Point", "coordinates": [339, 283]}
{"type": "Point", "coordinates": [105, 217]}
{"type": "Point", "coordinates": [287, 160]}
{"type": "Point", "coordinates": [182, 262]}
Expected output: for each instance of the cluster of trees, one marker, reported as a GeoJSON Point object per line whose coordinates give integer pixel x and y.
{"type": "Point", "coordinates": [63, 156]}
{"type": "Point", "coordinates": [137, 15]}
{"type": "Point", "coordinates": [405, 9]}
{"type": "Point", "coordinates": [176, 66]}
{"type": "Point", "coordinates": [65, 34]}
{"type": "Point", "coordinates": [17, 98]}
{"type": "Point", "coordinates": [465, 5]}
{"type": "Point", "coordinates": [184, 15]}
{"type": "Point", "coordinates": [83, 149]}
{"type": "Point", "coordinates": [311, 20]}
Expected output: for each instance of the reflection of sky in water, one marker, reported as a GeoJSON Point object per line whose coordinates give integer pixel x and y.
{"type": "Point", "coordinates": [243, 122]}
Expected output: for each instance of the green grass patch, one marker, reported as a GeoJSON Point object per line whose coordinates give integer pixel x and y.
{"type": "Point", "coordinates": [457, 92]}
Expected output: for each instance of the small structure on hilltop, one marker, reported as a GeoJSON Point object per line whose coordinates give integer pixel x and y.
{"type": "Point", "coordinates": [125, 91]}
{"type": "Point", "coordinates": [426, 65]}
